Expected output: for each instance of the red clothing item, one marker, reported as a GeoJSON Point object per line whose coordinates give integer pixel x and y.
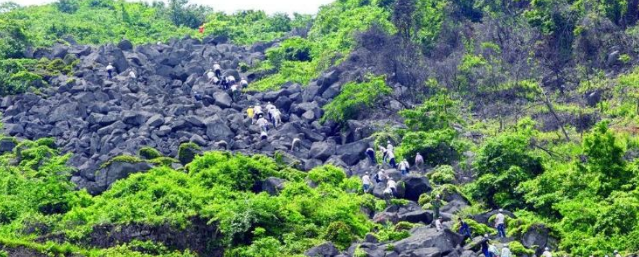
{"type": "Point", "coordinates": [201, 29]}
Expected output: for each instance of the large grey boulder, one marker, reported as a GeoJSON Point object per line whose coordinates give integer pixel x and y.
{"type": "Point", "coordinates": [415, 186]}
{"type": "Point", "coordinates": [324, 250]}
{"type": "Point", "coordinates": [113, 171]}
{"type": "Point", "coordinates": [217, 130]}
{"type": "Point", "coordinates": [538, 237]}
{"type": "Point", "coordinates": [322, 150]}
{"type": "Point", "coordinates": [272, 185]}
{"type": "Point", "coordinates": [222, 99]}
{"type": "Point", "coordinates": [353, 152]}
{"type": "Point", "coordinates": [444, 241]}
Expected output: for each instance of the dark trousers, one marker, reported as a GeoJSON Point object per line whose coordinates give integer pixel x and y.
{"type": "Point", "coordinates": [371, 156]}
{"type": "Point", "coordinates": [501, 230]}
{"type": "Point", "coordinates": [392, 163]}
{"type": "Point", "coordinates": [218, 74]}
{"type": "Point", "coordinates": [110, 74]}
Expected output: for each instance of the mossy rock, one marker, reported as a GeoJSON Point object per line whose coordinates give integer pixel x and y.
{"type": "Point", "coordinates": [121, 158]}
{"type": "Point", "coordinates": [187, 152]}
{"type": "Point", "coordinates": [7, 144]}
{"type": "Point", "coordinates": [149, 153]}
{"type": "Point", "coordinates": [164, 161]}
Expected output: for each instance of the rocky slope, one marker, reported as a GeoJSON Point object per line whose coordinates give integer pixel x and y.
{"type": "Point", "coordinates": [97, 119]}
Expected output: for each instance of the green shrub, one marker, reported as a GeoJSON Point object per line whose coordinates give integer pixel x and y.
{"type": "Point", "coordinates": [164, 161]}
{"type": "Point", "coordinates": [327, 174]}
{"type": "Point", "coordinates": [443, 174]}
{"type": "Point", "coordinates": [355, 98]}
{"type": "Point", "coordinates": [340, 234]}
{"type": "Point", "coordinates": [149, 153]}
{"type": "Point", "coordinates": [519, 250]}
{"type": "Point", "coordinates": [424, 199]}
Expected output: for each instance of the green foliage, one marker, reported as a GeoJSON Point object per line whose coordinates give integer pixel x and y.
{"type": "Point", "coordinates": [149, 153]}
{"type": "Point", "coordinates": [502, 164]}
{"type": "Point", "coordinates": [327, 174]}
{"type": "Point", "coordinates": [443, 174]}
{"type": "Point", "coordinates": [13, 40]}
{"type": "Point", "coordinates": [121, 158]}
{"type": "Point", "coordinates": [340, 234]}
{"type": "Point", "coordinates": [355, 98]}
{"type": "Point", "coordinates": [68, 6]}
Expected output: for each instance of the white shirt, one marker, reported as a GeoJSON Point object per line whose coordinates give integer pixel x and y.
{"type": "Point", "coordinates": [505, 252]}
{"type": "Point", "coordinates": [438, 225]}
{"type": "Point", "coordinates": [109, 67]}
{"type": "Point", "coordinates": [263, 134]}
{"type": "Point", "coordinates": [231, 78]}
{"type": "Point", "coordinates": [243, 82]}
{"type": "Point", "coordinates": [392, 184]}
{"type": "Point", "coordinates": [216, 67]}
{"type": "Point", "coordinates": [234, 87]}
{"type": "Point", "coordinates": [210, 75]}
{"type": "Point", "coordinates": [493, 249]}
{"type": "Point", "coordinates": [215, 80]}
{"type": "Point", "coordinates": [381, 175]}
{"type": "Point", "coordinates": [366, 180]}
{"type": "Point", "coordinates": [274, 111]}
{"type": "Point", "coordinates": [402, 166]}
{"type": "Point", "coordinates": [132, 75]}
{"type": "Point", "coordinates": [499, 219]}
{"type": "Point", "coordinates": [406, 164]}
{"type": "Point", "coordinates": [390, 154]}
{"type": "Point", "coordinates": [270, 106]}
{"type": "Point", "coordinates": [390, 147]}
{"type": "Point", "coordinates": [262, 122]}
{"type": "Point", "coordinates": [388, 191]}
{"type": "Point", "coordinates": [257, 109]}
{"type": "Point", "coordinates": [546, 254]}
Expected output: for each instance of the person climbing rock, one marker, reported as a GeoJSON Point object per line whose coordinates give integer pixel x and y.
{"type": "Point", "coordinates": [403, 168]}
{"type": "Point", "coordinates": [371, 155]}
{"type": "Point", "coordinates": [484, 246]}
{"type": "Point", "coordinates": [499, 223]}
{"type": "Point", "coordinates": [505, 252]}
{"type": "Point", "coordinates": [132, 77]}
{"type": "Point", "coordinates": [438, 224]}
{"type": "Point", "coordinates": [389, 146]}
{"type": "Point", "coordinates": [381, 176]}
{"type": "Point", "coordinates": [225, 84]}
{"type": "Point", "coordinates": [218, 70]}
{"type": "Point", "coordinates": [197, 96]}
{"type": "Point", "coordinates": [419, 161]}
{"type": "Point", "coordinates": [230, 79]}
{"type": "Point", "coordinates": [276, 117]}
{"type": "Point", "coordinates": [464, 229]}
{"type": "Point", "coordinates": [384, 154]}
{"type": "Point", "coordinates": [295, 144]}
{"type": "Point", "coordinates": [250, 112]}
{"type": "Point", "coordinates": [263, 135]}
{"type": "Point", "coordinates": [366, 182]}
{"type": "Point", "coordinates": [263, 124]}
{"type": "Point", "coordinates": [110, 69]}
{"type": "Point", "coordinates": [392, 185]}
{"type": "Point", "coordinates": [407, 165]}
{"type": "Point", "coordinates": [492, 250]}
{"type": "Point", "coordinates": [235, 92]}
{"type": "Point", "coordinates": [437, 204]}
{"type": "Point", "coordinates": [546, 253]}
{"type": "Point", "coordinates": [390, 155]}
{"type": "Point", "coordinates": [244, 83]}
{"type": "Point", "coordinates": [388, 195]}
{"type": "Point", "coordinates": [215, 81]}
{"type": "Point", "coordinates": [258, 111]}
{"type": "Point", "coordinates": [210, 74]}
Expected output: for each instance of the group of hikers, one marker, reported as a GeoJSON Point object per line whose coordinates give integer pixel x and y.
{"type": "Point", "coordinates": [256, 114]}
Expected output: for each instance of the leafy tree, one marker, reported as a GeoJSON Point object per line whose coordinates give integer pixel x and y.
{"type": "Point", "coordinates": [355, 98]}
{"type": "Point", "coordinates": [183, 14]}
{"type": "Point", "coordinates": [68, 6]}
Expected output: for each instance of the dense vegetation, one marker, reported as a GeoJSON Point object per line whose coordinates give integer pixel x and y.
{"type": "Point", "coordinates": [495, 94]}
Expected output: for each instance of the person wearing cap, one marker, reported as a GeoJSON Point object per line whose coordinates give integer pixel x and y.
{"type": "Point", "coordinates": [484, 246]}
{"type": "Point", "coordinates": [388, 195]}
{"type": "Point", "coordinates": [217, 69]}
{"type": "Point", "coordinates": [263, 135]}
{"type": "Point", "coordinates": [384, 153]}
{"type": "Point", "coordinates": [392, 185]}
{"type": "Point", "coordinates": [437, 204]}
{"type": "Point", "coordinates": [389, 146]}
{"type": "Point", "coordinates": [391, 158]}
{"type": "Point", "coordinates": [110, 69]}
{"type": "Point", "coordinates": [366, 181]}
{"type": "Point", "coordinates": [295, 144]}
{"type": "Point", "coordinates": [505, 252]}
{"type": "Point", "coordinates": [371, 155]}
{"type": "Point", "coordinates": [244, 83]}
{"type": "Point", "coordinates": [547, 252]}
{"type": "Point", "coordinates": [464, 229]}
{"type": "Point", "coordinates": [499, 223]}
